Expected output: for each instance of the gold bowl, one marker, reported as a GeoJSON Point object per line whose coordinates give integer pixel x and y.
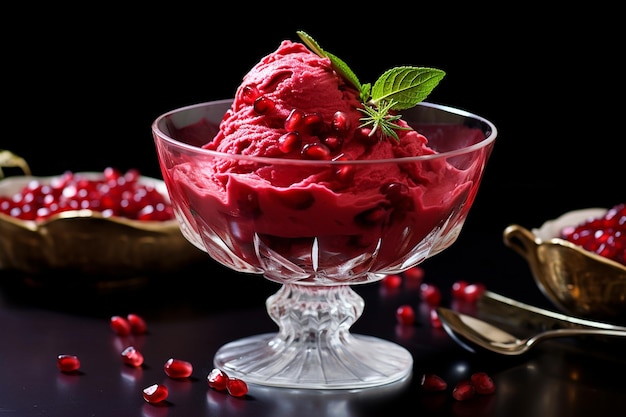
{"type": "Point", "coordinates": [86, 244]}
{"type": "Point", "coordinates": [575, 280]}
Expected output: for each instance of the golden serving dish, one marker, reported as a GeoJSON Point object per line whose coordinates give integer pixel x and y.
{"type": "Point", "coordinates": [577, 281]}
{"type": "Point", "coordinates": [84, 243]}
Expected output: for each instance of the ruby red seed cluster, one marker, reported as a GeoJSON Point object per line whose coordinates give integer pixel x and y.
{"type": "Point", "coordinates": [479, 383]}
{"type": "Point", "coordinates": [307, 135]}
{"type": "Point", "coordinates": [116, 194]}
{"type": "Point", "coordinates": [604, 236]}
{"type": "Point", "coordinates": [430, 294]}
{"type": "Point", "coordinates": [174, 368]}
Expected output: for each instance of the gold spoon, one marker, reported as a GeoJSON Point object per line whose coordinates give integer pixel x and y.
{"type": "Point", "coordinates": [469, 331]}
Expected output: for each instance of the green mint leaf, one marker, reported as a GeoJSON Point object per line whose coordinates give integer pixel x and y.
{"type": "Point", "coordinates": [397, 89]}
{"type": "Point", "coordinates": [311, 43]}
{"type": "Point", "coordinates": [344, 70]}
{"type": "Point", "coordinates": [406, 86]}
{"type": "Point", "coordinates": [338, 65]}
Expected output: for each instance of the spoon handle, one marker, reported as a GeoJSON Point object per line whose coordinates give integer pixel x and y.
{"type": "Point", "coordinates": [551, 334]}
{"type": "Point", "coordinates": [523, 316]}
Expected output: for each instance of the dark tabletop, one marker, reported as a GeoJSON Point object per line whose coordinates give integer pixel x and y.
{"type": "Point", "coordinates": [192, 313]}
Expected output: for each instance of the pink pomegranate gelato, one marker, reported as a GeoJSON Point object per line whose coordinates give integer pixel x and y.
{"type": "Point", "coordinates": [302, 209]}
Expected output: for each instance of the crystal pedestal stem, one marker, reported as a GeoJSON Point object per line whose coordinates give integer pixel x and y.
{"type": "Point", "coordinates": [314, 347]}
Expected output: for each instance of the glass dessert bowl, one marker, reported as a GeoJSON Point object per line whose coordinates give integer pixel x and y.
{"type": "Point", "coordinates": [318, 227]}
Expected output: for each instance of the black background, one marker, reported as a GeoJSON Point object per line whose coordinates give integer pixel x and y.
{"type": "Point", "coordinates": [83, 85]}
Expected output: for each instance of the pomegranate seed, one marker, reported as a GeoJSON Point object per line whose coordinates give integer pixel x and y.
{"type": "Point", "coordinates": [430, 294]}
{"type": "Point", "coordinates": [313, 123]}
{"type": "Point", "coordinates": [343, 173]}
{"type": "Point", "coordinates": [364, 135]}
{"type": "Point", "coordinates": [317, 151]}
{"type": "Point", "coordinates": [176, 368]}
{"type": "Point", "coordinates": [68, 363]}
{"type": "Point", "coordinates": [289, 142]}
{"type": "Point", "coordinates": [250, 93]}
{"type": "Point", "coordinates": [414, 274]}
{"type": "Point", "coordinates": [405, 314]}
{"type": "Point", "coordinates": [340, 122]}
{"type": "Point", "coordinates": [434, 319]}
{"type": "Point", "coordinates": [236, 387]}
{"type": "Point", "coordinates": [333, 142]}
{"type": "Point", "coordinates": [433, 383]}
{"type": "Point", "coordinates": [120, 325]}
{"type": "Point", "coordinates": [472, 292]}
{"type": "Point", "coordinates": [217, 379]}
{"type": "Point", "coordinates": [132, 357]}
{"type": "Point", "coordinates": [458, 288]}
{"type": "Point", "coordinates": [463, 391]}
{"type": "Point", "coordinates": [294, 122]}
{"type": "Point", "coordinates": [137, 323]}
{"type": "Point", "coordinates": [155, 393]}
{"type": "Point", "coordinates": [263, 105]}
{"type": "Point", "coordinates": [392, 281]}
{"type": "Point", "coordinates": [482, 383]}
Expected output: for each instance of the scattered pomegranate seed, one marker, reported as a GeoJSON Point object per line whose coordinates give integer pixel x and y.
{"type": "Point", "coordinates": [132, 357]}
{"type": "Point", "coordinates": [430, 294]}
{"type": "Point", "coordinates": [482, 383]}
{"type": "Point", "coordinates": [434, 319]}
{"type": "Point", "coordinates": [236, 387]}
{"type": "Point", "coordinates": [405, 315]}
{"type": "Point", "coordinates": [120, 325]}
{"type": "Point", "coordinates": [472, 292]}
{"type": "Point", "coordinates": [68, 363]}
{"type": "Point", "coordinates": [433, 383]}
{"type": "Point", "coordinates": [176, 368]}
{"type": "Point", "coordinates": [458, 288]}
{"type": "Point", "coordinates": [463, 391]}
{"type": "Point", "coordinates": [392, 281]}
{"type": "Point", "coordinates": [414, 274]}
{"type": "Point", "coordinates": [137, 323]}
{"type": "Point", "coordinates": [155, 393]}
{"type": "Point", "coordinates": [217, 379]}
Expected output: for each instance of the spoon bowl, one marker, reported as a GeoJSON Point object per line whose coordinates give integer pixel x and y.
{"type": "Point", "coordinates": [471, 332]}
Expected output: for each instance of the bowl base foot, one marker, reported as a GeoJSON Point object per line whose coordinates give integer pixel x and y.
{"type": "Point", "coordinates": [356, 361]}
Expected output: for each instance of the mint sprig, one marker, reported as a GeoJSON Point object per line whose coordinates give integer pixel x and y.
{"type": "Point", "coordinates": [396, 89]}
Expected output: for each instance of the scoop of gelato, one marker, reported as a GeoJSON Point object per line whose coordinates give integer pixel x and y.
{"type": "Point", "coordinates": [295, 186]}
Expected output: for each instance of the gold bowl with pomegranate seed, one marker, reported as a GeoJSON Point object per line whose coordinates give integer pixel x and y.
{"type": "Point", "coordinates": [587, 278]}
{"type": "Point", "coordinates": [319, 224]}
{"type": "Point", "coordinates": [81, 225]}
